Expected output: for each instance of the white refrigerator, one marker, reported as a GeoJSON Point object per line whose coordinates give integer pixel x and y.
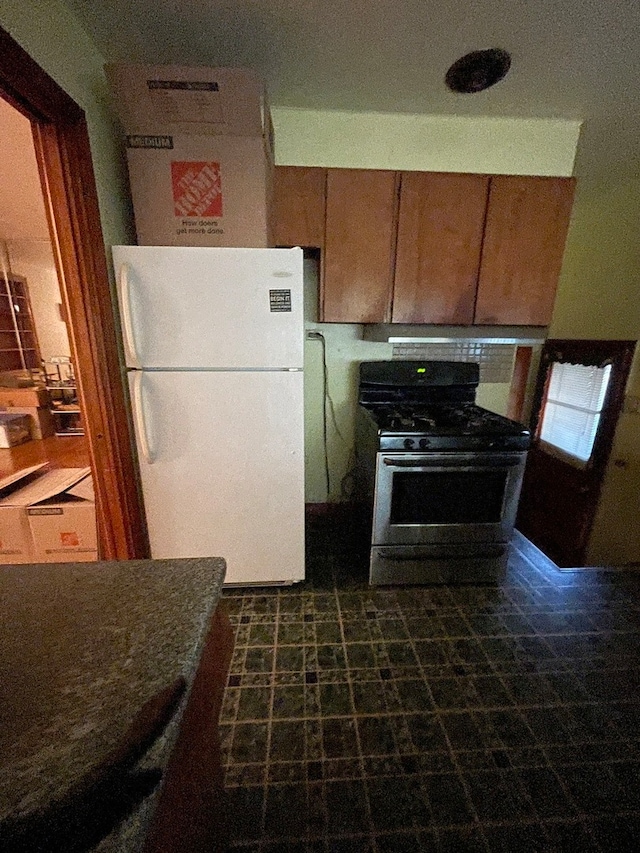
{"type": "Point", "coordinates": [213, 342]}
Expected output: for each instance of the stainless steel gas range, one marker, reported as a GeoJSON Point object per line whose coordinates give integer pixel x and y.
{"type": "Point", "coordinates": [439, 475]}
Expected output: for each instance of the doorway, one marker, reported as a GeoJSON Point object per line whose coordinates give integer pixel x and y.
{"type": "Point", "coordinates": [577, 401]}
{"type": "Point", "coordinates": [63, 154]}
{"type": "Point", "coordinates": [35, 352]}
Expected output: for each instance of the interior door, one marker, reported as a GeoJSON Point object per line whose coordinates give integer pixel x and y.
{"type": "Point", "coordinates": [561, 487]}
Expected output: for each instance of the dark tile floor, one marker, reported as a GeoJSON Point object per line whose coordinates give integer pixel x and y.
{"type": "Point", "coordinates": [434, 718]}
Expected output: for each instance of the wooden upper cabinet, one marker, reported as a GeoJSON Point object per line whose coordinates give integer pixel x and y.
{"type": "Point", "coordinates": [440, 230]}
{"type": "Point", "coordinates": [299, 206]}
{"type": "Point", "coordinates": [359, 246]}
{"type": "Point", "coordinates": [428, 247]}
{"type": "Point", "coordinates": [525, 234]}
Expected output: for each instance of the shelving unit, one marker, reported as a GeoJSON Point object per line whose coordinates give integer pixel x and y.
{"type": "Point", "coordinates": [18, 343]}
{"type": "Point", "coordinates": [63, 392]}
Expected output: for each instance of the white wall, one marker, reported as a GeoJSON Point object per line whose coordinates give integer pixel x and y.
{"type": "Point", "coordinates": [24, 230]}
{"type": "Point", "coordinates": [34, 261]}
{"type": "Point", "coordinates": [506, 146]}
{"type": "Point", "coordinates": [599, 297]}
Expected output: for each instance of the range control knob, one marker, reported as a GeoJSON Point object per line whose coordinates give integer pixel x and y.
{"type": "Point", "coordinates": [408, 443]}
{"type": "Point", "coordinates": [424, 443]}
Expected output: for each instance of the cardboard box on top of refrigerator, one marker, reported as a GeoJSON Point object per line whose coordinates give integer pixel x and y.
{"type": "Point", "coordinates": [200, 154]}
{"type": "Point", "coordinates": [16, 542]}
{"type": "Point", "coordinates": [61, 512]}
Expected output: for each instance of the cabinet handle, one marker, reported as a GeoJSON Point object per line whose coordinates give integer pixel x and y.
{"type": "Point", "coordinates": [138, 416]}
{"type": "Point", "coordinates": [128, 336]}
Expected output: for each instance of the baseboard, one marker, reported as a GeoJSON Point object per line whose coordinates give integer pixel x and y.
{"type": "Point", "coordinates": [531, 552]}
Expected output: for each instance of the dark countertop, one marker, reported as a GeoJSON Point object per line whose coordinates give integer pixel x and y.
{"type": "Point", "coordinates": [82, 647]}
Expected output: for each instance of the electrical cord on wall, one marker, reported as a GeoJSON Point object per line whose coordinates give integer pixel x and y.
{"type": "Point", "coordinates": [327, 407]}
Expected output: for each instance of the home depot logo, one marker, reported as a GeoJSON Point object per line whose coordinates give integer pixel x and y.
{"type": "Point", "coordinates": [197, 189]}
{"type": "Point", "coordinates": [69, 540]}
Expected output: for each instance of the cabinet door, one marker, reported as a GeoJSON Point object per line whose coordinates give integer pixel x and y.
{"type": "Point", "coordinates": [298, 206]}
{"type": "Point", "coordinates": [525, 233]}
{"type": "Point", "coordinates": [359, 246]}
{"type": "Point", "coordinates": [439, 242]}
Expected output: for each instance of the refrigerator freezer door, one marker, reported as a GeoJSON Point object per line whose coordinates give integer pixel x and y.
{"type": "Point", "coordinates": [208, 308]}
{"type": "Point", "coordinates": [223, 472]}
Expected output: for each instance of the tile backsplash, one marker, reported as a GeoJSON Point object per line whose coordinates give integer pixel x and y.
{"type": "Point", "coordinates": [495, 360]}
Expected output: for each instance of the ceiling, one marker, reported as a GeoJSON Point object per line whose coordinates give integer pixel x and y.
{"type": "Point", "coordinates": [576, 59]}
{"type": "Point", "coordinates": [22, 212]}
{"type": "Point", "coordinates": [570, 58]}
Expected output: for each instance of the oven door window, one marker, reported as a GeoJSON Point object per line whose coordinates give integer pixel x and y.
{"type": "Point", "coordinates": [448, 497]}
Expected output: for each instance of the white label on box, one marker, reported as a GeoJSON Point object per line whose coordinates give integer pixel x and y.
{"type": "Point", "coordinates": [66, 551]}
{"type": "Point", "coordinates": [160, 142]}
{"type": "Point", "coordinates": [186, 101]}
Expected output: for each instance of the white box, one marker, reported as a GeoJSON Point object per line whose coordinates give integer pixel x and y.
{"type": "Point", "coordinates": [16, 542]}
{"type": "Point", "coordinates": [200, 154]}
{"type": "Point", "coordinates": [60, 507]}
{"type": "Point", "coordinates": [40, 420]}
{"type": "Point", "coordinates": [14, 429]}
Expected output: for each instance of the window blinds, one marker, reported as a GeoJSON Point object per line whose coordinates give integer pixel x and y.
{"type": "Point", "coordinates": [572, 410]}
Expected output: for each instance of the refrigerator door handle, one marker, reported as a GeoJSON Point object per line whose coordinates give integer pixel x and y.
{"type": "Point", "coordinates": [128, 336]}
{"type": "Point", "coordinates": [138, 417]}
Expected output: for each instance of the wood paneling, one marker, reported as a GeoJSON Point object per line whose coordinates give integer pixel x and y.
{"type": "Point", "coordinates": [299, 206]}
{"type": "Point", "coordinates": [525, 233]}
{"type": "Point", "coordinates": [440, 229]}
{"type": "Point", "coordinates": [359, 246]}
{"type": "Point", "coordinates": [64, 159]}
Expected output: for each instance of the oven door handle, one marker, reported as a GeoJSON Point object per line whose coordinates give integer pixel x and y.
{"type": "Point", "coordinates": [397, 554]}
{"type": "Point", "coordinates": [465, 464]}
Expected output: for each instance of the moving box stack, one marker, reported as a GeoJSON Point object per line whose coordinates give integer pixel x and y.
{"type": "Point", "coordinates": [200, 154]}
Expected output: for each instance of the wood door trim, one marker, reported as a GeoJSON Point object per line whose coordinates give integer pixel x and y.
{"type": "Point", "coordinates": [68, 182]}
{"type": "Point", "coordinates": [518, 389]}
{"type": "Point", "coordinates": [30, 89]}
